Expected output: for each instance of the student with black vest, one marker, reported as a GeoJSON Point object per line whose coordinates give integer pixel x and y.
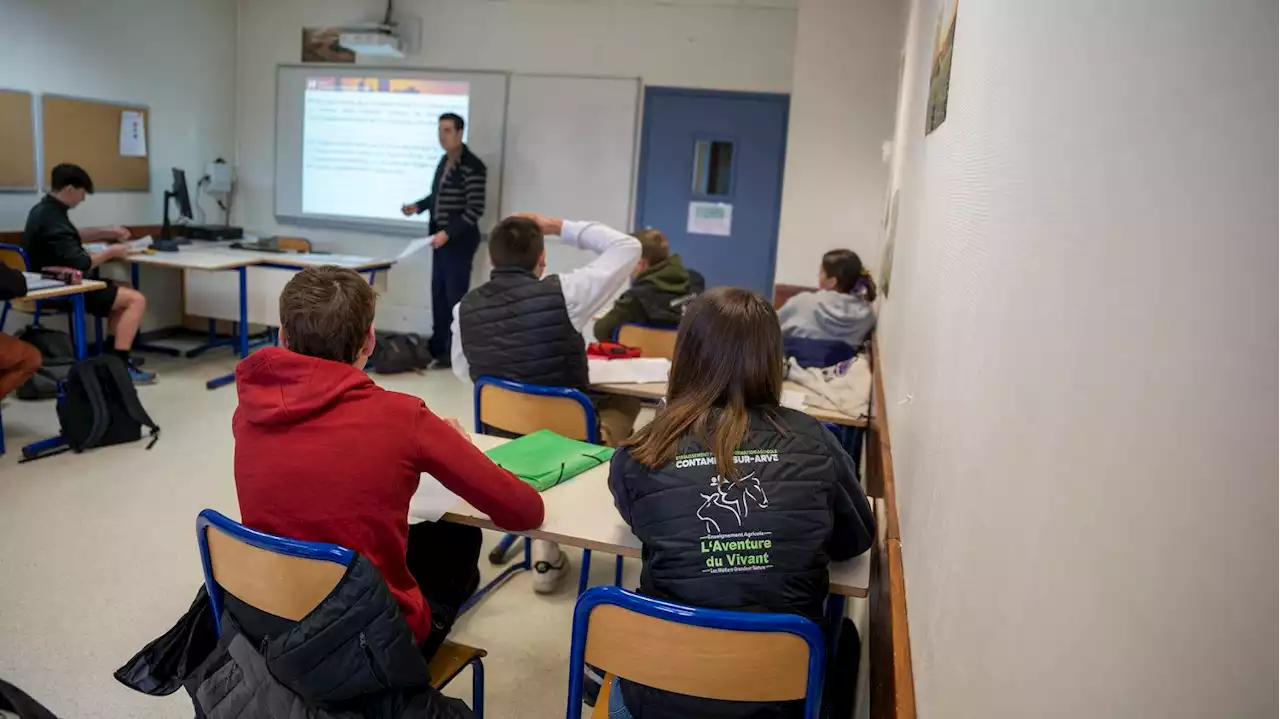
{"type": "Point", "coordinates": [524, 327]}
{"type": "Point", "coordinates": [722, 461]}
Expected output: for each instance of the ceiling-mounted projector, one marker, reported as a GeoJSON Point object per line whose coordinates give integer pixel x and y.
{"type": "Point", "coordinates": [378, 40]}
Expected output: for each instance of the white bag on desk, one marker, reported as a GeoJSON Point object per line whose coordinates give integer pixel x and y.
{"type": "Point", "coordinates": [845, 387]}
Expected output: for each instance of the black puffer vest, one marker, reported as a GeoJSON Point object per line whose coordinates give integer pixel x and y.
{"type": "Point", "coordinates": [759, 544]}
{"type": "Point", "coordinates": [516, 327]}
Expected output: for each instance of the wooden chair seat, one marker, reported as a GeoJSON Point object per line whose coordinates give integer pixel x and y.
{"type": "Point", "coordinates": [450, 659]}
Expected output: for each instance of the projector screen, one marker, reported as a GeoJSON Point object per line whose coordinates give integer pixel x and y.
{"type": "Point", "coordinates": [354, 145]}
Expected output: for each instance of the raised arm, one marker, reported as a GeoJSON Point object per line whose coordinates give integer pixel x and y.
{"type": "Point", "coordinates": [450, 457]}
{"type": "Point", "coordinates": [587, 289]}
{"type": "Point", "coordinates": [456, 356]}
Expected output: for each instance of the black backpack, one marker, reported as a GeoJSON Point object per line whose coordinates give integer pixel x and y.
{"type": "Point", "coordinates": [396, 353]}
{"type": "Point", "coordinates": [57, 355]}
{"type": "Point", "coordinates": [99, 407]}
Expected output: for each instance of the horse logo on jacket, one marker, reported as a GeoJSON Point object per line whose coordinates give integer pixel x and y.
{"type": "Point", "coordinates": [736, 498]}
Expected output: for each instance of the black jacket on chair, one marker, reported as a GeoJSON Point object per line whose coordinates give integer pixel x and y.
{"type": "Point", "coordinates": [12, 283]}
{"type": "Point", "coordinates": [761, 543]}
{"type": "Point", "coordinates": [516, 327]}
{"type": "Point", "coordinates": [352, 657]}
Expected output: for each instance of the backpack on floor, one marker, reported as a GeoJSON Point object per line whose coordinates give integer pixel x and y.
{"type": "Point", "coordinates": [57, 355]}
{"type": "Point", "coordinates": [99, 407]}
{"type": "Point", "coordinates": [396, 353]}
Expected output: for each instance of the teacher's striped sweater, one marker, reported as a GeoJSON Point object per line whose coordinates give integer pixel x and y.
{"type": "Point", "coordinates": [458, 200]}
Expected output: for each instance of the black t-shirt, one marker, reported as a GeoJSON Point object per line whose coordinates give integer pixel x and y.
{"type": "Point", "coordinates": [51, 240]}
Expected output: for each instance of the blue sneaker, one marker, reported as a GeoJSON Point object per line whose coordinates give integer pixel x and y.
{"type": "Point", "coordinates": [140, 377]}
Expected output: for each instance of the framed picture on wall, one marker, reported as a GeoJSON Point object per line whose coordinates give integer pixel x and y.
{"type": "Point", "coordinates": [940, 72]}
{"type": "Point", "coordinates": [320, 44]}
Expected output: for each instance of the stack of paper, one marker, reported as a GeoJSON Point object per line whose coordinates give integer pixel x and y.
{"type": "Point", "coordinates": [628, 371]}
{"type": "Point", "coordinates": [793, 399]}
{"type": "Point", "coordinates": [432, 499]}
{"type": "Point", "coordinates": [36, 281]}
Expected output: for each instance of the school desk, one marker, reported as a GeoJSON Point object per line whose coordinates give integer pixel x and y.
{"type": "Point", "coordinates": [76, 294]}
{"type": "Point", "coordinates": [260, 276]}
{"type": "Point", "coordinates": [206, 260]}
{"type": "Point", "coordinates": [580, 513]}
{"type": "Point", "coordinates": [658, 390]}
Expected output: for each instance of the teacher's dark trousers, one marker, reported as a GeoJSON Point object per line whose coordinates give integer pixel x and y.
{"type": "Point", "coordinates": [450, 280]}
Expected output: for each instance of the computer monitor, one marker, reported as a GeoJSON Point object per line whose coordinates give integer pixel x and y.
{"type": "Point", "coordinates": [180, 193]}
{"type": "Point", "coordinates": [177, 192]}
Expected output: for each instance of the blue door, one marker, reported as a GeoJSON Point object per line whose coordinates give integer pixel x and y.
{"type": "Point", "coordinates": [711, 180]}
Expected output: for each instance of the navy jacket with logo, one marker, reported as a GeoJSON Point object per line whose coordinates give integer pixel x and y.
{"type": "Point", "coordinates": [761, 543]}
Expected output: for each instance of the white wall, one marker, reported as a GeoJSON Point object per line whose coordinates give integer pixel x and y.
{"type": "Point", "coordinates": [1080, 352]}
{"type": "Point", "coordinates": [176, 57]}
{"type": "Point", "coordinates": [844, 79]}
{"type": "Point", "coordinates": [732, 45]}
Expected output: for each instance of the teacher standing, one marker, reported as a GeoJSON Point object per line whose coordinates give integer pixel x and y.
{"type": "Point", "coordinates": [456, 203]}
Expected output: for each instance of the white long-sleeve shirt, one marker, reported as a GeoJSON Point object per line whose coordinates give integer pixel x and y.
{"type": "Point", "coordinates": [586, 289]}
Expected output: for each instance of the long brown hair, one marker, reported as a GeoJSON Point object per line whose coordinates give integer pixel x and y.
{"type": "Point", "coordinates": [728, 359]}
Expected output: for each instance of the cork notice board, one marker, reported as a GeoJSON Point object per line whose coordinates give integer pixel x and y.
{"type": "Point", "coordinates": [17, 141]}
{"type": "Point", "coordinates": [87, 133]}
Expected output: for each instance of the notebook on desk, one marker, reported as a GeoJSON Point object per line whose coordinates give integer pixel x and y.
{"type": "Point", "coordinates": [37, 281]}
{"type": "Point", "coordinates": [544, 459]}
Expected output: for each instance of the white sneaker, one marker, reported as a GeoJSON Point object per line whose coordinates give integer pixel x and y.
{"type": "Point", "coordinates": [548, 575]}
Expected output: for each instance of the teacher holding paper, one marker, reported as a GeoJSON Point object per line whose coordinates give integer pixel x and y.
{"type": "Point", "coordinates": [456, 203]}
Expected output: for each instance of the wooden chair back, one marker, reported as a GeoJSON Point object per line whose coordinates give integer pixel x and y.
{"type": "Point", "coordinates": [12, 258]}
{"type": "Point", "coordinates": [524, 413]}
{"type": "Point", "coordinates": [652, 341]}
{"type": "Point", "coordinates": [296, 244]}
{"type": "Point", "coordinates": [698, 661]}
{"type": "Point", "coordinates": [279, 584]}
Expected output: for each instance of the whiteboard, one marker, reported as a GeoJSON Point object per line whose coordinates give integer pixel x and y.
{"type": "Point", "coordinates": [570, 151]}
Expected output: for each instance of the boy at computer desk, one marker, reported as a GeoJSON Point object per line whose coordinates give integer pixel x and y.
{"type": "Point", "coordinates": [325, 455]}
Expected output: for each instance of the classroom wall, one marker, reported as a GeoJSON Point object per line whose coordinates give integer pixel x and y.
{"type": "Point", "coordinates": [731, 45]}
{"type": "Point", "coordinates": [175, 57]}
{"type": "Point", "coordinates": [844, 79]}
{"type": "Point", "coordinates": [1079, 351]}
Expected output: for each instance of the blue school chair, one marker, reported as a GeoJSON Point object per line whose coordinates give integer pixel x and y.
{"type": "Point", "coordinates": [15, 257]}
{"type": "Point", "coordinates": [289, 578]}
{"type": "Point", "coordinates": [708, 653]}
{"type": "Point", "coordinates": [652, 341]}
{"type": "Point", "coordinates": [516, 408]}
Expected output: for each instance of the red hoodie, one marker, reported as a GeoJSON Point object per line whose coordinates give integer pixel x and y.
{"type": "Point", "coordinates": [325, 455]}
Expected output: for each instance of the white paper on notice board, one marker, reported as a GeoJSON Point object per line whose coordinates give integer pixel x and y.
{"type": "Point", "coordinates": [133, 134]}
{"type": "Point", "coordinates": [710, 218]}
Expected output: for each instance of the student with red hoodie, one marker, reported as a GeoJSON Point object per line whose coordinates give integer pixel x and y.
{"type": "Point", "coordinates": [325, 455]}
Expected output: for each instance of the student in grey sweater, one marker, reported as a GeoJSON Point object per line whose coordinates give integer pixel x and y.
{"type": "Point", "coordinates": [840, 310]}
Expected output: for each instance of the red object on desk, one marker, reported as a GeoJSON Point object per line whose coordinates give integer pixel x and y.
{"type": "Point", "coordinates": [67, 275]}
{"type": "Point", "coordinates": [611, 350]}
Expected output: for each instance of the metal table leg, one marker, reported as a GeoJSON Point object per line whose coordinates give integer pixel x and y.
{"type": "Point", "coordinates": [243, 339]}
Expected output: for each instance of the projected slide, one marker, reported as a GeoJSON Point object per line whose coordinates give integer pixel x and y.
{"type": "Point", "coordinates": [369, 145]}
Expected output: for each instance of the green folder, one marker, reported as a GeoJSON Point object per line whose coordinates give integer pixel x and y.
{"type": "Point", "coordinates": [544, 459]}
